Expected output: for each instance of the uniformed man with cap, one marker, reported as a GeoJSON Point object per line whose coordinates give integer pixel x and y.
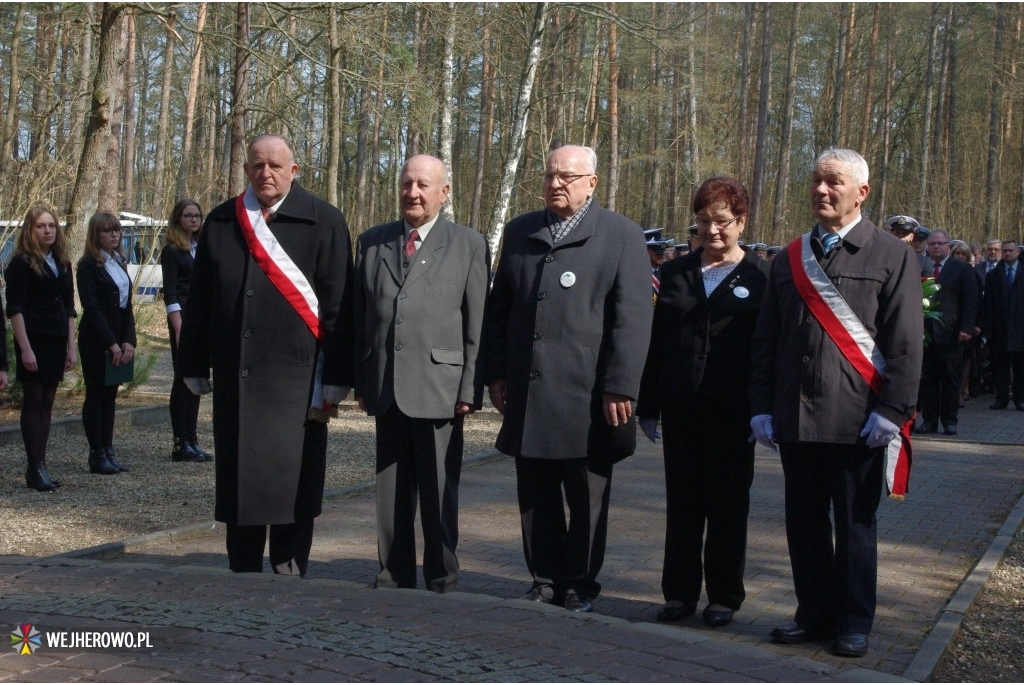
{"type": "Point", "coordinates": [909, 230]}
{"type": "Point", "coordinates": [657, 244]}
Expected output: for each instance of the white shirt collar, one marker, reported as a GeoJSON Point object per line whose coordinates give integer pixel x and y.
{"type": "Point", "coordinates": [842, 231]}
{"type": "Point", "coordinates": [422, 230]}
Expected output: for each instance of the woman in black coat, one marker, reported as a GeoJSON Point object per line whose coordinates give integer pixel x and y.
{"type": "Point", "coordinates": [107, 331]}
{"type": "Point", "coordinates": [41, 305]}
{"type": "Point", "coordinates": [695, 379]}
{"type": "Point", "coordinates": [176, 261]}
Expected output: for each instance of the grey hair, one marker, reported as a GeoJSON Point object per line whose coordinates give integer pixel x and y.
{"type": "Point", "coordinates": [589, 156]}
{"type": "Point", "coordinates": [993, 241]}
{"type": "Point", "coordinates": [851, 159]}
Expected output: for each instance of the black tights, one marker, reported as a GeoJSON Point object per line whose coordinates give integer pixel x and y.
{"type": "Point", "coordinates": [36, 409]}
{"type": "Point", "coordinates": [98, 415]}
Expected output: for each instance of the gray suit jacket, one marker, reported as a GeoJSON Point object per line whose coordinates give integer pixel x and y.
{"type": "Point", "coordinates": [419, 327]}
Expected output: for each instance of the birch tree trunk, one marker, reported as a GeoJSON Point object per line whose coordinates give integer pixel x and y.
{"type": "Point", "coordinates": [126, 164]}
{"type": "Point", "coordinates": [518, 130]}
{"type": "Point", "coordinates": [926, 114]}
{"type": "Point", "coordinates": [447, 88]}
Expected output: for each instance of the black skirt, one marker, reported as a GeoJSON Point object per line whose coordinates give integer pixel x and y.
{"type": "Point", "coordinates": [51, 353]}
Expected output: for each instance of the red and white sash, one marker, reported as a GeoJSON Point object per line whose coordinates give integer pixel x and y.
{"type": "Point", "coordinates": [846, 330]}
{"type": "Point", "coordinates": [285, 274]}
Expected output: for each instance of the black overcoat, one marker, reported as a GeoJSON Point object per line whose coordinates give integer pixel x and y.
{"type": "Point", "coordinates": [566, 323]}
{"type": "Point", "coordinates": [271, 461]}
{"type": "Point", "coordinates": [1003, 320]}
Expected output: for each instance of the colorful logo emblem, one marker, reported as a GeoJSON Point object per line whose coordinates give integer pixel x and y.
{"type": "Point", "coordinates": [26, 639]}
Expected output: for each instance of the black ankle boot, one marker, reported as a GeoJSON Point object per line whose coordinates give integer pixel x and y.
{"type": "Point", "coordinates": [184, 451]}
{"type": "Point", "coordinates": [37, 478]}
{"type": "Point", "coordinates": [99, 463]}
{"type": "Point", "coordinates": [199, 450]}
{"type": "Point", "coordinates": [112, 458]}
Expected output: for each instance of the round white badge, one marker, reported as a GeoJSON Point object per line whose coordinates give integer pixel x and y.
{"type": "Point", "coordinates": [568, 279]}
{"type": "Point", "coordinates": [741, 292]}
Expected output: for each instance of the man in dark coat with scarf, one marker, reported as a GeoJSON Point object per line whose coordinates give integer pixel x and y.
{"type": "Point", "coordinates": [569, 323]}
{"type": "Point", "coordinates": [271, 315]}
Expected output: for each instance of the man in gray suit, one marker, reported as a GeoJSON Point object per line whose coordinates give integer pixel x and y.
{"type": "Point", "coordinates": [419, 293]}
{"type": "Point", "coordinates": [569, 325]}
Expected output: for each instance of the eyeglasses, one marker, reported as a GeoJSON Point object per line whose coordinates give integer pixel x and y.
{"type": "Point", "coordinates": [110, 230]}
{"type": "Point", "coordinates": [719, 224]}
{"type": "Point", "coordinates": [192, 216]}
{"type": "Point", "coordinates": [565, 179]}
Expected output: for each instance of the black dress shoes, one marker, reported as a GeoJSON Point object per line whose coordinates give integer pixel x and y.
{"type": "Point", "coordinates": [850, 644]}
{"type": "Point", "coordinates": [676, 613]}
{"type": "Point", "coordinates": [926, 427]}
{"type": "Point", "coordinates": [999, 405]}
{"type": "Point", "coordinates": [577, 602]}
{"type": "Point", "coordinates": [949, 428]}
{"type": "Point", "coordinates": [98, 463]}
{"type": "Point", "coordinates": [793, 634]}
{"type": "Point", "coordinates": [716, 615]}
{"type": "Point", "coordinates": [543, 593]}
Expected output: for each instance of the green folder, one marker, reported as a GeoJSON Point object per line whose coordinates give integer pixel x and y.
{"type": "Point", "coordinates": [116, 375]}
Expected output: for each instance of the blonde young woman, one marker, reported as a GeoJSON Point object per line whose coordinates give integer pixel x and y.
{"type": "Point", "coordinates": [176, 261]}
{"type": "Point", "coordinates": [108, 326]}
{"type": "Point", "coordinates": [41, 306]}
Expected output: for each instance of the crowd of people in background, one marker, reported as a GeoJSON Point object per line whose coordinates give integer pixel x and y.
{"type": "Point", "coordinates": [818, 349]}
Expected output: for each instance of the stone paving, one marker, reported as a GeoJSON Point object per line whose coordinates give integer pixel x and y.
{"type": "Point", "coordinates": [214, 625]}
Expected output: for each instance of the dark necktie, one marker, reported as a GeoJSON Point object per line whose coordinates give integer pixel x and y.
{"type": "Point", "coordinates": [935, 271]}
{"type": "Point", "coordinates": [410, 243]}
{"type": "Point", "coordinates": [1009, 277]}
{"type": "Point", "coordinates": [829, 241]}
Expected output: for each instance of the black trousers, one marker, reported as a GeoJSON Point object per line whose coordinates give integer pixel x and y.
{"type": "Point", "coordinates": [709, 468]}
{"type": "Point", "coordinates": [290, 544]}
{"type": "Point", "coordinates": [835, 578]}
{"type": "Point", "coordinates": [98, 411]}
{"type": "Point", "coordinates": [941, 374]}
{"type": "Point", "coordinates": [565, 556]}
{"type": "Point", "coordinates": [421, 456]}
{"type": "Point", "coordinates": [184, 406]}
{"type": "Point", "coordinates": [1003, 363]}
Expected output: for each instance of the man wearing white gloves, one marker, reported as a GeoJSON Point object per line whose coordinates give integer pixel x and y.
{"type": "Point", "coordinates": [836, 363]}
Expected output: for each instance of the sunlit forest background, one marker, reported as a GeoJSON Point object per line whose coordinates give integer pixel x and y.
{"type": "Point", "coordinates": [129, 106]}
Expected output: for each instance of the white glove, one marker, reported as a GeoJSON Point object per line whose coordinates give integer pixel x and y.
{"type": "Point", "coordinates": [650, 428]}
{"type": "Point", "coordinates": [198, 386]}
{"type": "Point", "coordinates": [334, 394]}
{"type": "Point", "coordinates": [763, 431]}
{"type": "Point", "coordinates": [878, 431]}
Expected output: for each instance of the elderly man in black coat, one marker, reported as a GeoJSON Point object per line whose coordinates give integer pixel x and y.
{"type": "Point", "coordinates": [273, 267]}
{"type": "Point", "coordinates": [569, 322]}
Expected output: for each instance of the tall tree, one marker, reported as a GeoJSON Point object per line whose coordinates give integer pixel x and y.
{"type": "Point", "coordinates": [334, 111]}
{"type": "Point", "coordinates": [763, 106]}
{"type": "Point", "coordinates": [161, 176]}
{"type": "Point", "coordinates": [239, 98]}
{"type": "Point", "coordinates": [785, 145]}
{"type": "Point", "coordinates": [996, 96]}
{"type": "Point", "coordinates": [518, 129]}
{"type": "Point", "coordinates": [447, 88]}
{"type": "Point", "coordinates": [613, 116]}
{"type": "Point", "coordinates": [9, 148]}
{"type": "Point", "coordinates": [190, 100]}
{"type": "Point", "coordinates": [91, 164]}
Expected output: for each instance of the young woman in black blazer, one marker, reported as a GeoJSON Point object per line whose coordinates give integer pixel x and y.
{"type": "Point", "coordinates": [41, 306]}
{"type": "Point", "coordinates": [176, 261]}
{"type": "Point", "coordinates": [108, 325]}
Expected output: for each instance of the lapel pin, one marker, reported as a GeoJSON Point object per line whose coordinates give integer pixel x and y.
{"type": "Point", "coordinates": [568, 279]}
